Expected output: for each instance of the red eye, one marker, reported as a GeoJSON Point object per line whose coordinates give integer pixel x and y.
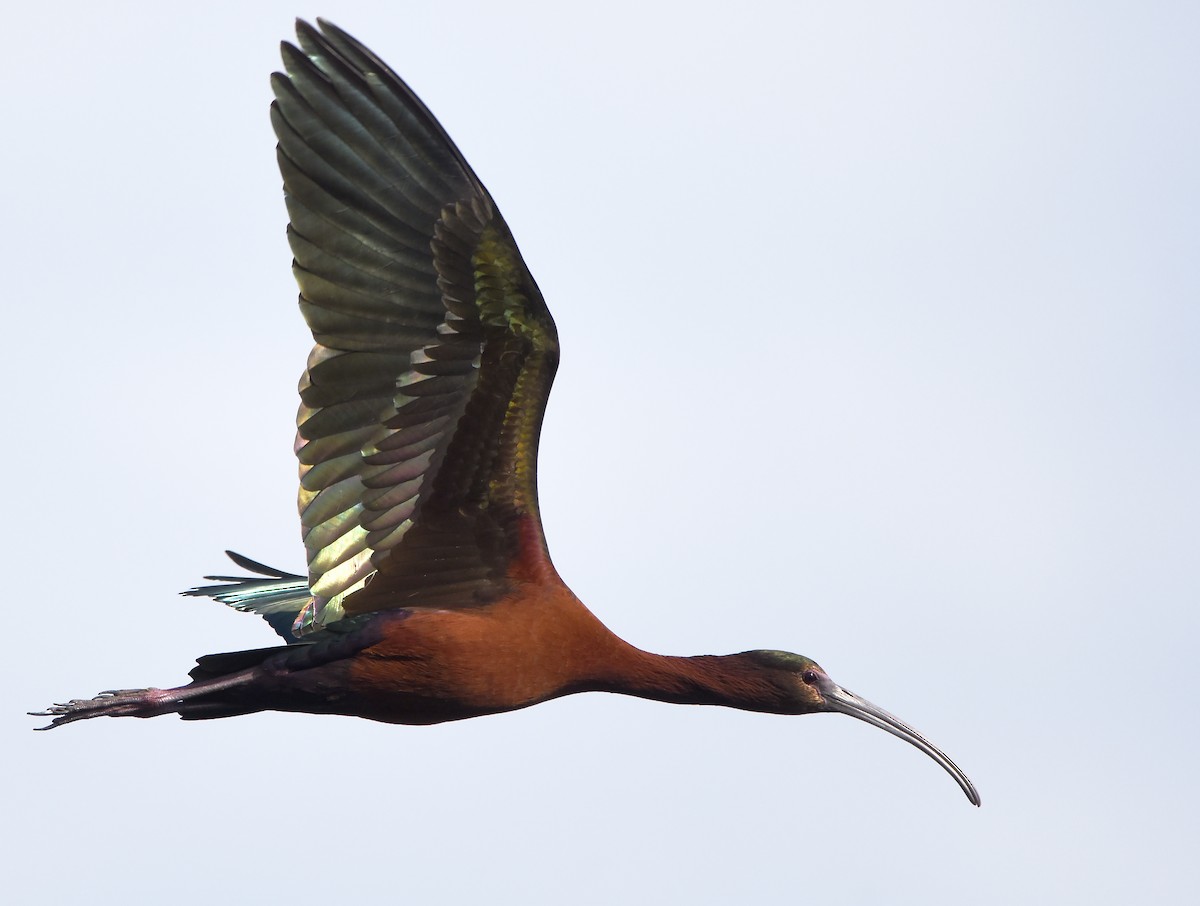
{"type": "Point", "coordinates": [810, 677]}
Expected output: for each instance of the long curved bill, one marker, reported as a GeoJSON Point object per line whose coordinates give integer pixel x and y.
{"type": "Point", "coordinates": [846, 702]}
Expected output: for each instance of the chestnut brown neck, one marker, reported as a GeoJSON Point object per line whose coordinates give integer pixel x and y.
{"type": "Point", "coordinates": [731, 680]}
{"type": "Point", "coordinates": [601, 661]}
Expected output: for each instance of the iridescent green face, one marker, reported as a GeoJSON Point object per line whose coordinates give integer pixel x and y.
{"type": "Point", "coordinates": [804, 674]}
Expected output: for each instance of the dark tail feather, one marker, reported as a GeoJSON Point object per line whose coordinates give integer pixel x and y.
{"type": "Point", "coordinates": [211, 666]}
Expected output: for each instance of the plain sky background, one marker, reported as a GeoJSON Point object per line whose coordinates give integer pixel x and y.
{"type": "Point", "coordinates": [881, 343]}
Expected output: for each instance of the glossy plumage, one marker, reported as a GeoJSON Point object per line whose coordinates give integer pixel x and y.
{"type": "Point", "coordinates": [430, 594]}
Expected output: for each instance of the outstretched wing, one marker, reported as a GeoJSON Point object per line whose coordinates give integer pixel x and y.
{"type": "Point", "coordinates": [423, 397]}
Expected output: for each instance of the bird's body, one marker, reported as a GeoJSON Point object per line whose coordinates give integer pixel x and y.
{"type": "Point", "coordinates": [430, 593]}
{"type": "Point", "coordinates": [424, 665]}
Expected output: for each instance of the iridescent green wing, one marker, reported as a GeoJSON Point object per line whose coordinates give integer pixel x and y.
{"type": "Point", "coordinates": [423, 397]}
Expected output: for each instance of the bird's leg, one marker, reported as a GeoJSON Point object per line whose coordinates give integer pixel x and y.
{"type": "Point", "coordinates": [139, 702]}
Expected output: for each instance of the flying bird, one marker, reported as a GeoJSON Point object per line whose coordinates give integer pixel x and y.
{"type": "Point", "coordinates": [430, 594]}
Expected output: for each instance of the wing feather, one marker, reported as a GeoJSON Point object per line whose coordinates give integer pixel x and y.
{"type": "Point", "coordinates": [423, 397]}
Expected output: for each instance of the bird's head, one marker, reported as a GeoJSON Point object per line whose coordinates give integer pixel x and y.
{"type": "Point", "coordinates": [808, 689]}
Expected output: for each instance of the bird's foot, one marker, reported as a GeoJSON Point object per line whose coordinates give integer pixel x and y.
{"type": "Point", "coordinates": [111, 703]}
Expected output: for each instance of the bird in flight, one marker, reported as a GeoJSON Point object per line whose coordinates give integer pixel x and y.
{"type": "Point", "coordinates": [430, 594]}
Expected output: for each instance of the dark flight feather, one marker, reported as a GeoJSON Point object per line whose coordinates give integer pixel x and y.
{"type": "Point", "coordinates": [422, 400]}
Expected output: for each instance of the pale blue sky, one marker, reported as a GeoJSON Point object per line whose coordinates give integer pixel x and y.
{"type": "Point", "coordinates": [881, 343]}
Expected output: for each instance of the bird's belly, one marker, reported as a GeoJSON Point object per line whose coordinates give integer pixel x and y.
{"type": "Point", "coordinates": [437, 665]}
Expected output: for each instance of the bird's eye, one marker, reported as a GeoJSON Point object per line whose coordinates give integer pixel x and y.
{"type": "Point", "coordinates": [810, 677]}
